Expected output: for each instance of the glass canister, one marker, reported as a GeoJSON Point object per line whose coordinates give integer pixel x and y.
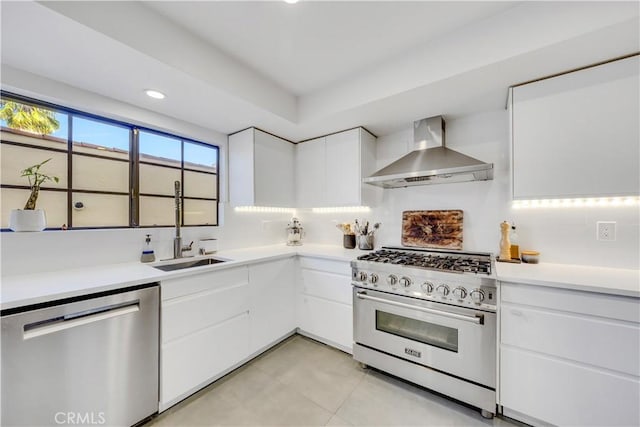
{"type": "Point", "coordinates": [294, 233]}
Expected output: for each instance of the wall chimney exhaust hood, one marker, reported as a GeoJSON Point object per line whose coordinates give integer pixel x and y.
{"type": "Point", "coordinates": [436, 165]}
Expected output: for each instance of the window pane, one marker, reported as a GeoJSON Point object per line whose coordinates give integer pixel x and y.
{"type": "Point", "coordinates": [90, 173]}
{"type": "Point", "coordinates": [157, 211]}
{"type": "Point", "coordinates": [54, 204]}
{"type": "Point", "coordinates": [200, 157]}
{"type": "Point", "coordinates": [418, 330]}
{"type": "Point", "coordinates": [95, 137]}
{"type": "Point", "coordinates": [160, 149]}
{"type": "Point", "coordinates": [23, 122]}
{"type": "Point", "coordinates": [198, 184]}
{"type": "Point", "coordinates": [100, 210]}
{"type": "Point", "coordinates": [158, 179]}
{"type": "Point", "coordinates": [200, 212]}
{"type": "Point", "coordinates": [15, 159]}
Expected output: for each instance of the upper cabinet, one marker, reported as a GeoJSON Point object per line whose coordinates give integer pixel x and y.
{"type": "Point", "coordinates": [577, 134]}
{"type": "Point", "coordinates": [261, 171]}
{"type": "Point", "coordinates": [329, 170]}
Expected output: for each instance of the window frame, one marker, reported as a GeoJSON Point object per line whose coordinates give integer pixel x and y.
{"type": "Point", "coordinates": [133, 161]}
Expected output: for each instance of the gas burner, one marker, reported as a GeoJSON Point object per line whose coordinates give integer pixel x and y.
{"type": "Point", "coordinates": [463, 279]}
{"type": "Point", "coordinates": [464, 262]}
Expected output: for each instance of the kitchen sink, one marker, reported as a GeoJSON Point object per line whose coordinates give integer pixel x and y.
{"type": "Point", "coordinates": [189, 264]}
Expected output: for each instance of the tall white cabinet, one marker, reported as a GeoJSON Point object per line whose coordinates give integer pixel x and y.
{"type": "Point", "coordinates": [261, 171]}
{"type": "Point", "coordinates": [329, 170]}
{"type": "Point", "coordinates": [576, 135]}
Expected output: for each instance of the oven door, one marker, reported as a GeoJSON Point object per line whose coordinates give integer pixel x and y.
{"type": "Point", "coordinates": [454, 340]}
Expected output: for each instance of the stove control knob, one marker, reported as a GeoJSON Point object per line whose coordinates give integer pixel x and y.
{"type": "Point", "coordinates": [477, 295]}
{"type": "Point", "coordinates": [373, 278]}
{"type": "Point", "coordinates": [460, 293]}
{"type": "Point", "coordinates": [405, 281]}
{"type": "Point", "coordinates": [392, 280]}
{"type": "Point", "coordinates": [362, 276]}
{"type": "Point", "coordinates": [427, 287]}
{"type": "Point", "coordinates": [443, 290]}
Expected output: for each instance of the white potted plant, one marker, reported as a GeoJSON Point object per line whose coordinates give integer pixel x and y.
{"type": "Point", "coordinates": [29, 218]}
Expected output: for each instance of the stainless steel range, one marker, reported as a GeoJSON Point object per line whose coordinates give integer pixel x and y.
{"type": "Point", "coordinates": [429, 316]}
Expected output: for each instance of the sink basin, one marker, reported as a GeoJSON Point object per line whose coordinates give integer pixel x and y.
{"type": "Point", "coordinates": [188, 264]}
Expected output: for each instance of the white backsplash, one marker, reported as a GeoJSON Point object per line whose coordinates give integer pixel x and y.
{"type": "Point", "coordinates": [24, 253]}
{"type": "Point", "coordinates": [562, 235]}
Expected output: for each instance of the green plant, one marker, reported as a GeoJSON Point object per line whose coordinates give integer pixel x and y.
{"type": "Point", "coordinates": [28, 118]}
{"type": "Point", "coordinates": [36, 179]}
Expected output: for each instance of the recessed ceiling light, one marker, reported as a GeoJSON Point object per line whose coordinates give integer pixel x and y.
{"type": "Point", "coordinates": [291, 1]}
{"type": "Point", "coordinates": [154, 94]}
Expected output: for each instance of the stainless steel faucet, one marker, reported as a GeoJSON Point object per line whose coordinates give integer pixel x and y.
{"type": "Point", "coordinates": [178, 249]}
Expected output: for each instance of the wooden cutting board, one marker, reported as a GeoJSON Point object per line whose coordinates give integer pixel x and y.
{"type": "Point", "coordinates": [432, 229]}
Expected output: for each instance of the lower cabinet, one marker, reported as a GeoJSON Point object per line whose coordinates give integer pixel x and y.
{"type": "Point", "coordinates": [212, 322]}
{"type": "Point", "coordinates": [271, 302]}
{"type": "Point", "coordinates": [569, 357]}
{"type": "Point", "coordinates": [204, 330]}
{"type": "Point", "coordinates": [324, 303]}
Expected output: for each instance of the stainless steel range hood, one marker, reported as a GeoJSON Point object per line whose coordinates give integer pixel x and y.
{"type": "Point", "coordinates": [435, 165]}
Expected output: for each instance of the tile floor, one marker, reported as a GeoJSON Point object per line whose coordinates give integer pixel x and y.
{"type": "Point", "coordinates": [301, 382]}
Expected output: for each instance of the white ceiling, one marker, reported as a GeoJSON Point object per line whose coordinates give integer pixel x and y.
{"type": "Point", "coordinates": [307, 46]}
{"type": "Point", "coordinates": [314, 67]}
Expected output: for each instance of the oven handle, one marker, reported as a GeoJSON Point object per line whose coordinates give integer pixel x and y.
{"type": "Point", "coordinates": [477, 319]}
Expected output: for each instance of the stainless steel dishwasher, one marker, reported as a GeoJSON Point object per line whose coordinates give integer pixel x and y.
{"type": "Point", "coordinates": [90, 360]}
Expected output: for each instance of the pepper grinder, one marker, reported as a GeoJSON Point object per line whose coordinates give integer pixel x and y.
{"type": "Point", "coordinates": [505, 244]}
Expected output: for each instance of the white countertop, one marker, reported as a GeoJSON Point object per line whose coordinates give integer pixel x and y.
{"type": "Point", "coordinates": [28, 289]}
{"type": "Point", "coordinates": [615, 281]}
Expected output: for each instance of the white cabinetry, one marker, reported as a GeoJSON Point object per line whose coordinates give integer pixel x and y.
{"type": "Point", "coordinates": [261, 171]}
{"type": "Point", "coordinates": [576, 135]}
{"type": "Point", "coordinates": [204, 330]}
{"type": "Point", "coordinates": [329, 170]}
{"type": "Point", "coordinates": [569, 357]}
{"type": "Point", "coordinates": [310, 173]}
{"type": "Point", "coordinates": [325, 302]}
{"type": "Point", "coordinates": [272, 302]}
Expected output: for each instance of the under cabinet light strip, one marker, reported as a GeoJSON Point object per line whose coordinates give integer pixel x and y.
{"type": "Point", "coordinates": [342, 209]}
{"type": "Point", "coordinates": [576, 203]}
{"type": "Point", "coordinates": [264, 209]}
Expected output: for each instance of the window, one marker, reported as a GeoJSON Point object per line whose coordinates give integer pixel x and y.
{"type": "Point", "coordinates": [111, 174]}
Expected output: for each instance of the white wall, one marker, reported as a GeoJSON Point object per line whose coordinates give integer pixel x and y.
{"type": "Point", "coordinates": [562, 235]}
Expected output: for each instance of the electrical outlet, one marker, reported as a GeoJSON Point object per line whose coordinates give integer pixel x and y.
{"type": "Point", "coordinates": [606, 230]}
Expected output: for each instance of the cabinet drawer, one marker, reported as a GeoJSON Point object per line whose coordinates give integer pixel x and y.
{"type": "Point", "coordinates": [328, 320]}
{"type": "Point", "coordinates": [197, 358]}
{"type": "Point", "coordinates": [327, 265]}
{"type": "Point", "coordinates": [334, 287]}
{"type": "Point", "coordinates": [604, 305]}
{"type": "Point", "coordinates": [174, 288]}
{"type": "Point", "coordinates": [182, 316]}
{"type": "Point", "coordinates": [563, 393]}
{"type": "Point", "coordinates": [601, 342]}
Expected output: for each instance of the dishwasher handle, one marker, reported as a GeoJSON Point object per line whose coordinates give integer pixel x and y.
{"type": "Point", "coordinates": [58, 324]}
